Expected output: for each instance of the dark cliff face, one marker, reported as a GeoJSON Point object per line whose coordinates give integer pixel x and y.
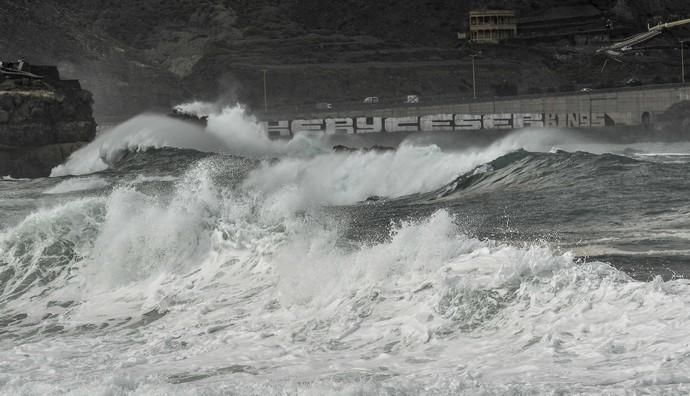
{"type": "Point", "coordinates": [41, 124]}
{"type": "Point", "coordinates": [123, 78]}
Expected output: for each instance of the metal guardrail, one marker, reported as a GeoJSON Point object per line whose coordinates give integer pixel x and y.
{"type": "Point", "coordinates": [396, 103]}
{"type": "Point", "coordinates": [305, 110]}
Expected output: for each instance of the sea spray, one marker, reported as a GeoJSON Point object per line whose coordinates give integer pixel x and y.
{"type": "Point", "coordinates": [198, 108]}
{"type": "Point", "coordinates": [77, 184]}
{"type": "Point", "coordinates": [139, 133]}
{"type": "Point", "coordinates": [230, 130]}
{"type": "Point", "coordinates": [243, 135]}
{"type": "Point", "coordinates": [239, 276]}
{"type": "Point", "coordinates": [348, 178]}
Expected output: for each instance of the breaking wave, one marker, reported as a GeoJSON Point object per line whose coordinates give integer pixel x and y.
{"type": "Point", "coordinates": [214, 260]}
{"type": "Point", "coordinates": [229, 131]}
{"type": "Point", "coordinates": [202, 287]}
{"type": "Point", "coordinates": [534, 171]}
{"type": "Point", "coordinates": [81, 184]}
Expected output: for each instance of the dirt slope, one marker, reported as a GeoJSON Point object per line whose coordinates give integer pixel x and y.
{"type": "Point", "coordinates": [143, 54]}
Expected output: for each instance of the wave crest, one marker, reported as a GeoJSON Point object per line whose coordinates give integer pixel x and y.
{"type": "Point", "coordinates": [230, 130]}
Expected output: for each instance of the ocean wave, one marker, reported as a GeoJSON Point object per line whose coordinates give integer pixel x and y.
{"type": "Point", "coordinates": [233, 277]}
{"type": "Point", "coordinates": [347, 178]}
{"type": "Point", "coordinates": [10, 178]}
{"type": "Point", "coordinates": [198, 108]}
{"type": "Point", "coordinates": [533, 171]}
{"type": "Point", "coordinates": [201, 285]}
{"type": "Point", "coordinates": [78, 184]}
{"type": "Point", "coordinates": [230, 131]}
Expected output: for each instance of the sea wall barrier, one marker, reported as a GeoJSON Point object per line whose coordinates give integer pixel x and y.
{"type": "Point", "coordinates": [593, 109]}
{"type": "Point", "coordinates": [438, 122]}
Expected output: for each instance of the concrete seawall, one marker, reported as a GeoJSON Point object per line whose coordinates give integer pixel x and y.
{"type": "Point", "coordinates": [632, 106]}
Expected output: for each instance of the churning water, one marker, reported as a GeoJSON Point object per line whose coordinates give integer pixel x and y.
{"type": "Point", "coordinates": [166, 258]}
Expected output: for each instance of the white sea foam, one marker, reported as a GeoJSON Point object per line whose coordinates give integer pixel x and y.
{"type": "Point", "coordinates": [551, 140]}
{"type": "Point", "coordinates": [266, 305]}
{"type": "Point", "coordinates": [243, 135]}
{"type": "Point", "coordinates": [230, 130]}
{"type": "Point", "coordinates": [251, 289]}
{"type": "Point", "coordinates": [77, 184]}
{"type": "Point", "coordinates": [148, 179]}
{"type": "Point", "coordinates": [10, 178]}
{"type": "Point", "coordinates": [662, 154]}
{"type": "Point", "coordinates": [139, 133]}
{"type": "Point", "coordinates": [198, 108]}
{"type": "Point", "coordinates": [346, 178]}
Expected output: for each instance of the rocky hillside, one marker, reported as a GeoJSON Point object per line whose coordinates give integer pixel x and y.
{"type": "Point", "coordinates": [145, 54]}
{"type": "Point", "coordinates": [122, 79]}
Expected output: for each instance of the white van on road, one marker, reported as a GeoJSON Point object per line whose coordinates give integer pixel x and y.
{"type": "Point", "coordinates": [412, 99]}
{"type": "Point", "coordinates": [324, 106]}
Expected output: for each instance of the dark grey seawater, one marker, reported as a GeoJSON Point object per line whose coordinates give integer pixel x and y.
{"type": "Point", "coordinates": [491, 270]}
{"type": "Point", "coordinates": [630, 211]}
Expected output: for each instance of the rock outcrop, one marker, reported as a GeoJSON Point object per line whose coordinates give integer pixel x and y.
{"type": "Point", "coordinates": [376, 148]}
{"type": "Point", "coordinates": [42, 121]}
{"type": "Point", "coordinates": [675, 121]}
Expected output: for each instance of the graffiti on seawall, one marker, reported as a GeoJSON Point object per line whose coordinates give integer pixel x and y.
{"type": "Point", "coordinates": [438, 123]}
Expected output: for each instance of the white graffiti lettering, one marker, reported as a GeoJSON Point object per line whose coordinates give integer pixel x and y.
{"type": "Point", "coordinates": [369, 125]}
{"type": "Point", "coordinates": [306, 125]}
{"type": "Point", "coordinates": [528, 120]}
{"type": "Point", "coordinates": [277, 128]}
{"type": "Point", "coordinates": [468, 122]}
{"type": "Point", "coordinates": [402, 124]}
{"type": "Point", "coordinates": [339, 126]}
{"type": "Point", "coordinates": [438, 123]}
{"type": "Point", "coordinates": [498, 121]}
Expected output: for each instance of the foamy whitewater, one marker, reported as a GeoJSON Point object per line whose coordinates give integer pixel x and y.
{"type": "Point", "coordinates": [166, 258]}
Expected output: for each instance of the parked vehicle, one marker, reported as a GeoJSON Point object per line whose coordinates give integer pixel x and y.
{"type": "Point", "coordinates": [324, 106]}
{"type": "Point", "coordinates": [412, 99]}
{"type": "Point", "coordinates": [371, 100]}
{"type": "Point", "coordinates": [633, 82]}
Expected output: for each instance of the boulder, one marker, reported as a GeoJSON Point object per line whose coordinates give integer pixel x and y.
{"type": "Point", "coordinates": [42, 122]}
{"type": "Point", "coordinates": [342, 148]}
{"type": "Point", "coordinates": [35, 162]}
{"type": "Point", "coordinates": [675, 121]}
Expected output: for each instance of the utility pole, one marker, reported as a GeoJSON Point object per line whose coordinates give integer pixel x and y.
{"type": "Point", "coordinates": [474, 77]}
{"type": "Point", "coordinates": [265, 91]}
{"type": "Point", "coordinates": [682, 60]}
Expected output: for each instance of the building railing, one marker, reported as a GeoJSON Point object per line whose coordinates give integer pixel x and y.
{"type": "Point", "coordinates": [493, 26]}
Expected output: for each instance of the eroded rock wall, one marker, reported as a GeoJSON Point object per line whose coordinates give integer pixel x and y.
{"type": "Point", "coordinates": [41, 124]}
